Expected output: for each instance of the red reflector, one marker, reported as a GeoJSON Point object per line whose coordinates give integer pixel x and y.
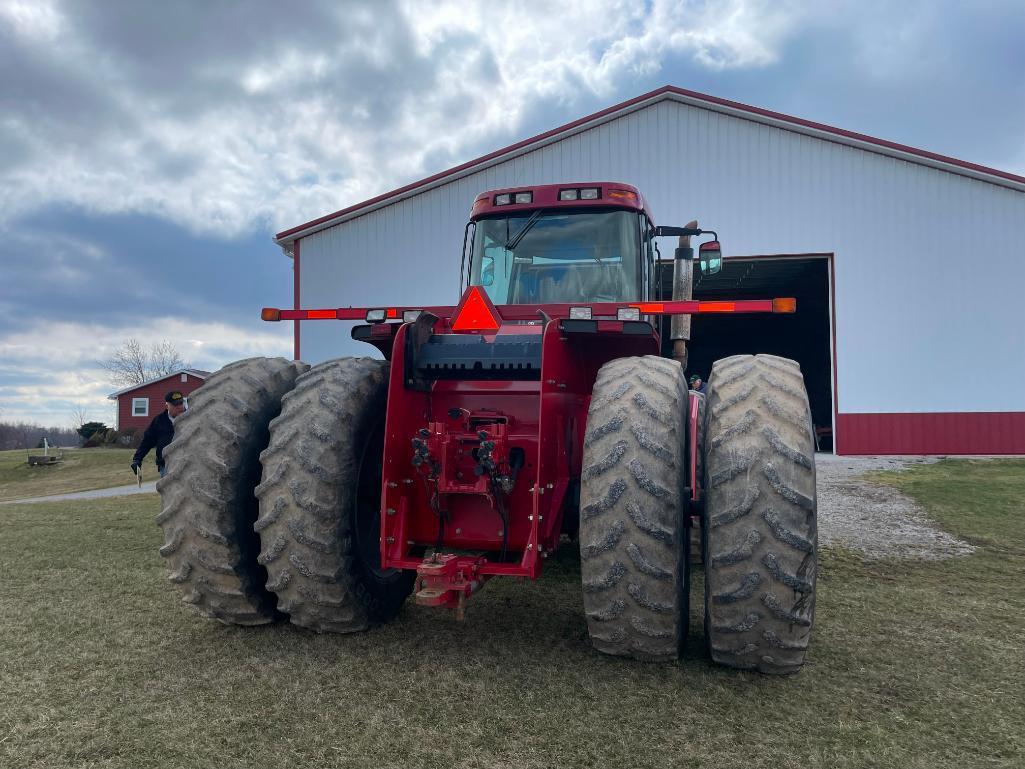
{"type": "Point", "coordinates": [475, 314]}
{"type": "Point", "coordinates": [646, 307]}
{"type": "Point", "coordinates": [270, 313]}
{"type": "Point", "coordinates": [786, 304]}
{"type": "Point", "coordinates": [717, 307]}
{"type": "Point", "coordinates": [321, 314]}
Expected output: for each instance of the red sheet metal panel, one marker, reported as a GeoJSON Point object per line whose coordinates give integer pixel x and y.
{"type": "Point", "coordinates": [984, 432]}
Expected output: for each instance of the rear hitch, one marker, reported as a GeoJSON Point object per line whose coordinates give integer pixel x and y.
{"type": "Point", "coordinates": [446, 579]}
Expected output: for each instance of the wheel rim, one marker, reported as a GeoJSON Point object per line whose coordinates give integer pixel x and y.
{"type": "Point", "coordinates": [367, 504]}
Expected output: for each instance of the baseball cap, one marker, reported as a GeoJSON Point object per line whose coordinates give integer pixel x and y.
{"type": "Point", "coordinates": [175, 398]}
{"type": "Point", "coordinates": [694, 378]}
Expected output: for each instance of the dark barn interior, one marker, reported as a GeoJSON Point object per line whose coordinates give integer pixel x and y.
{"type": "Point", "coordinates": [803, 336]}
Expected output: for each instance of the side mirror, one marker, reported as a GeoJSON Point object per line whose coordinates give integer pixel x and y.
{"type": "Point", "coordinates": [710, 257]}
{"type": "Point", "coordinates": [487, 270]}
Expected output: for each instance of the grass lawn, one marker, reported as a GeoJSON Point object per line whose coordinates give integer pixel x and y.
{"type": "Point", "coordinates": [81, 470]}
{"type": "Point", "coordinates": [912, 665]}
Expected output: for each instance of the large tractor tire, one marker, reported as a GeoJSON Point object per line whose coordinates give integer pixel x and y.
{"type": "Point", "coordinates": [320, 501]}
{"type": "Point", "coordinates": [632, 547]}
{"type": "Point", "coordinates": [760, 524]}
{"type": "Point", "coordinates": [213, 466]}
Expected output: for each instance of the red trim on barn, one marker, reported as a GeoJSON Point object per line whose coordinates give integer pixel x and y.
{"type": "Point", "coordinates": [668, 89]}
{"type": "Point", "coordinates": [296, 298]}
{"type": "Point", "coordinates": [983, 432]}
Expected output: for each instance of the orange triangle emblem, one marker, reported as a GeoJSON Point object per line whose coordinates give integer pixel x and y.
{"type": "Point", "coordinates": [476, 312]}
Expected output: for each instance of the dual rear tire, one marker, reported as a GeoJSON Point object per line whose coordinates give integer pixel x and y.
{"type": "Point", "coordinates": [272, 494]}
{"type": "Point", "coordinates": [758, 534]}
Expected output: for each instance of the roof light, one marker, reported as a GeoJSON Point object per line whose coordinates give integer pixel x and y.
{"type": "Point", "coordinates": [321, 314]}
{"type": "Point", "coordinates": [376, 316]}
{"type": "Point", "coordinates": [589, 193]}
{"type": "Point", "coordinates": [524, 197]}
{"type": "Point", "coordinates": [476, 313]}
{"type": "Point", "coordinates": [270, 313]}
{"type": "Point", "coordinates": [410, 316]}
{"type": "Point", "coordinates": [503, 200]}
{"type": "Point", "coordinates": [580, 313]}
{"type": "Point", "coordinates": [568, 194]}
{"type": "Point", "coordinates": [628, 313]}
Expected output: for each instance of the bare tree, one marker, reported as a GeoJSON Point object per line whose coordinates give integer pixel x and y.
{"type": "Point", "coordinates": [127, 366]}
{"type": "Point", "coordinates": [164, 359]}
{"type": "Point", "coordinates": [131, 364]}
{"type": "Point", "coordinates": [78, 416]}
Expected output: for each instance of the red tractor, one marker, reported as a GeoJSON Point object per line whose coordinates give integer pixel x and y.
{"type": "Point", "coordinates": [545, 405]}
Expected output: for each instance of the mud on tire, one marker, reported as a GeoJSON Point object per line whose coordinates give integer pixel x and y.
{"type": "Point", "coordinates": [760, 515]}
{"type": "Point", "coordinates": [208, 507]}
{"type": "Point", "coordinates": [319, 522]}
{"type": "Point", "coordinates": [633, 559]}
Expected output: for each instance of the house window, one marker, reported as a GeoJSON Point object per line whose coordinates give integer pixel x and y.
{"type": "Point", "coordinates": [140, 407]}
{"type": "Point", "coordinates": [185, 377]}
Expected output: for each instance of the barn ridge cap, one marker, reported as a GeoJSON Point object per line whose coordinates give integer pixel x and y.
{"type": "Point", "coordinates": [668, 92]}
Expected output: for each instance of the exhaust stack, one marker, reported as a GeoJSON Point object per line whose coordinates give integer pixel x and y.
{"type": "Point", "coordinates": [683, 290]}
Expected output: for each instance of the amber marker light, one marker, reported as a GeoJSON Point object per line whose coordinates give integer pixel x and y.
{"type": "Point", "coordinates": [786, 304]}
{"type": "Point", "coordinates": [622, 195]}
{"type": "Point", "coordinates": [270, 313]}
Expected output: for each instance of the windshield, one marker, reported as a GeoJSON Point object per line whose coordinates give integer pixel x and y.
{"type": "Point", "coordinates": [555, 257]}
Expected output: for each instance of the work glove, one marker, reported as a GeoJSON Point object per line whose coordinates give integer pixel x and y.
{"type": "Point", "coordinates": [136, 466]}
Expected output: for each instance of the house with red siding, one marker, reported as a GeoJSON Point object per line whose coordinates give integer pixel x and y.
{"type": "Point", "coordinates": [139, 403]}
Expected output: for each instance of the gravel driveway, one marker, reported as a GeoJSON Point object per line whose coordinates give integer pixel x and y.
{"type": "Point", "coordinates": [876, 520]}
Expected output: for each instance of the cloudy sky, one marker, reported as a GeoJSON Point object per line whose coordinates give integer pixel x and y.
{"type": "Point", "coordinates": [149, 150]}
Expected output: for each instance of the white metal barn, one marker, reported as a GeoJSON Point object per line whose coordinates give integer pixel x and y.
{"type": "Point", "coordinates": [908, 266]}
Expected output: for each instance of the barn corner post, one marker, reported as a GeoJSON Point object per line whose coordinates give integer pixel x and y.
{"type": "Point", "coordinates": [296, 300]}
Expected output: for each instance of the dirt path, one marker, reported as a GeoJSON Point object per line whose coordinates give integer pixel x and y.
{"type": "Point", "coordinates": [117, 491]}
{"type": "Point", "coordinates": [877, 520]}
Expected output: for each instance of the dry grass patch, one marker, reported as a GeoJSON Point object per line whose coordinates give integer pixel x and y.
{"type": "Point", "coordinates": [912, 665]}
{"type": "Point", "coordinates": [81, 470]}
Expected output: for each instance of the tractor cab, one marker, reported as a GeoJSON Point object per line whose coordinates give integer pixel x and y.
{"type": "Point", "coordinates": [558, 244]}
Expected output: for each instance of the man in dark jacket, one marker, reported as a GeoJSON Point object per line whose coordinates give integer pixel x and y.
{"type": "Point", "coordinates": [160, 432]}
